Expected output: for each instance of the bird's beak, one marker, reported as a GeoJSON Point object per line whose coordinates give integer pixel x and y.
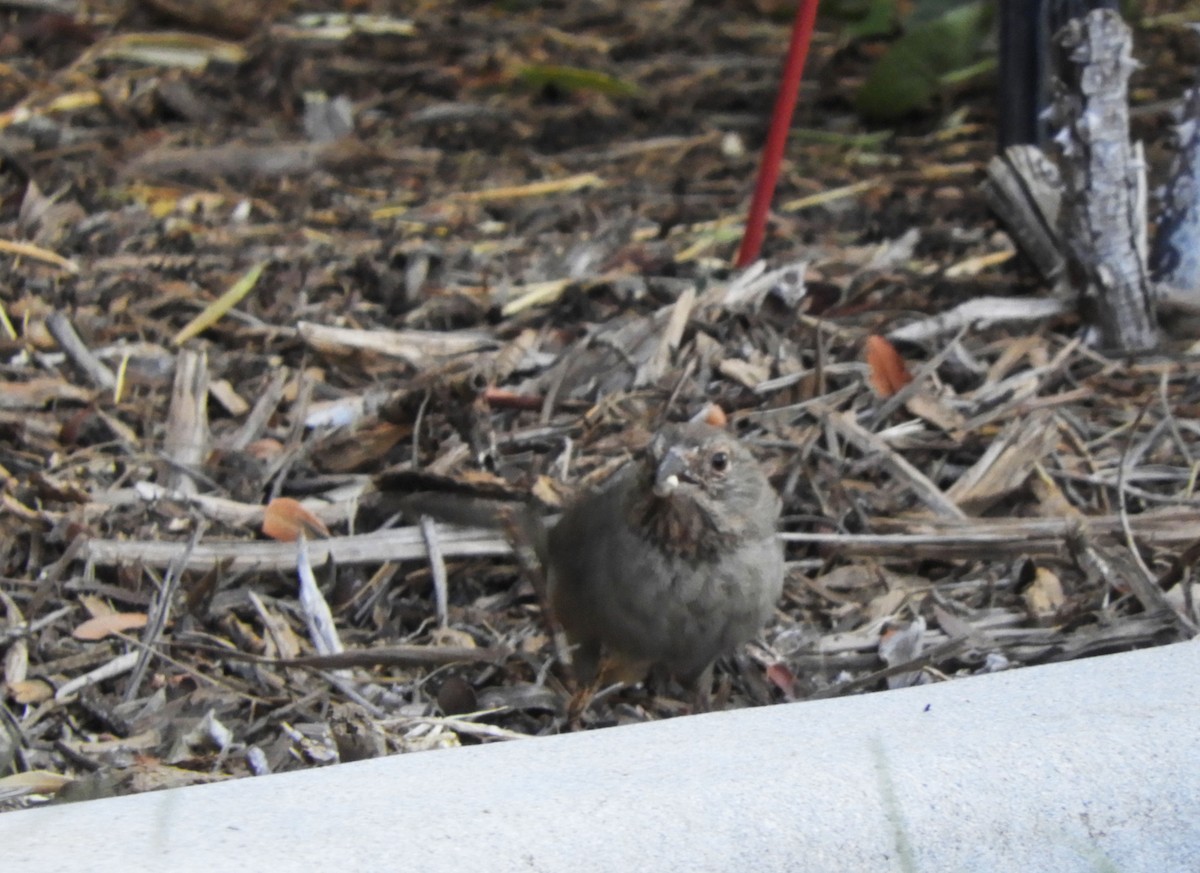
{"type": "Point", "coordinates": [671, 470]}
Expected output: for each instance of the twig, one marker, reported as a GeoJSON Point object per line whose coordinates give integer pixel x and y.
{"type": "Point", "coordinates": [264, 408]}
{"type": "Point", "coordinates": [404, 544]}
{"type": "Point", "coordinates": [68, 340]}
{"type": "Point", "coordinates": [321, 628]}
{"type": "Point", "coordinates": [437, 567]}
{"type": "Point", "coordinates": [1146, 587]}
{"type": "Point", "coordinates": [969, 538]}
{"type": "Point", "coordinates": [382, 656]}
{"type": "Point", "coordinates": [939, 652]}
{"type": "Point", "coordinates": [108, 670]}
{"type": "Point", "coordinates": [460, 726]}
{"type": "Point", "coordinates": [867, 442]}
{"type": "Point", "coordinates": [158, 615]}
{"type": "Point", "coordinates": [981, 313]}
{"type": "Point", "coordinates": [419, 348]}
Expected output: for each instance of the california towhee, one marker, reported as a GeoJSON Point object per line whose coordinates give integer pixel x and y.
{"type": "Point", "coordinates": [673, 562]}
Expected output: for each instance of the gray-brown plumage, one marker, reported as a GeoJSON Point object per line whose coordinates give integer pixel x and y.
{"type": "Point", "coordinates": [674, 562]}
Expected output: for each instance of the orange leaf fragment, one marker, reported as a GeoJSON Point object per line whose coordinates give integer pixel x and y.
{"type": "Point", "coordinates": [101, 626]}
{"type": "Point", "coordinates": [285, 519]}
{"type": "Point", "coordinates": [889, 373]}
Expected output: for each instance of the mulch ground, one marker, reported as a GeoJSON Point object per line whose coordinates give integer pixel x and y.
{"type": "Point", "coordinates": [453, 258]}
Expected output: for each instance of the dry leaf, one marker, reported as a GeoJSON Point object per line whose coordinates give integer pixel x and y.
{"type": "Point", "coordinates": [952, 625]}
{"type": "Point", "coordinates": [1044, 596]}
{"type": "Point", "coordinates": [887, 604]}
{"type": "Point", "coordinates": [347, 451]}
{"type": "Point", "coordinates": [16, 662]}
{"type": "Point", "coordinates": [265, 449]}
{"type": "Point", "coordinates": [16, 658]}
{"type": "Point", "coordinates": [934, 411]}
{"type": "Point", "coordinates": [37, 392]}
{"type": "Point", "coordinates": [849, 577]}
{"type": "Point", "coordinates": [551, 492]}
{"type": "Point", "coordinates": [899, 645]}
{"type": "Point", "coordinates": [184, 50]}
{"type": "Point", "coordinates": [456, 696]}
{"type": "Point", "coordinates": [224, 393]}
{"type": "Point", "coordinates": [747, 373]}
{"type": "Point", "coordinates": [533, 643]}
{"type": "Point", "coordinates": [32, 782]}
{"type": "Point", "coordinates": [448, 636]}
{"type": "Point", "coordinates": [103, 625]}
{"type": "Point", "coordinates": [1051, 501]}
{"type": "Point", "coordinates": [285, 519]}
{"type": "Point", "coordinates": [30, 691]}
{"type": "Point", "coordinates": [95, 606]}
{"type": "Point", "coordinates": [889, 373]}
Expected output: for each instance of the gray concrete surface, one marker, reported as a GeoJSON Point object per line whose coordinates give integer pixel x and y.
{"type": "Point", "coordinates": [1087, 766]}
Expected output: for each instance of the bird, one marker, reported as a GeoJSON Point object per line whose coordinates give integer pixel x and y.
{"type": "Point", "coordinates": [671, 563]}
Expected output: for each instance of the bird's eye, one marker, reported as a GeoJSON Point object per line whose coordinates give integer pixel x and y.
{"type": "Point", "coordinates": [719, 462]}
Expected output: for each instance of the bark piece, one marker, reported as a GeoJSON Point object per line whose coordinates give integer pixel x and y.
{"type": "Point", "coordinates": [1025, 190]}
{"type": "Point", "coordinates": [187, 437]}
{"type": "Point", "coordinates": [1104, 196]}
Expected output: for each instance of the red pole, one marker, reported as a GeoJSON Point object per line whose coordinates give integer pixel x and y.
{"type": "Point", "coordinates": [781, 122]}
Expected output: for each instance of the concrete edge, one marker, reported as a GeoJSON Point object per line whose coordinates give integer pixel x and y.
{"type": "Point", "coordinates": [1090, 765]}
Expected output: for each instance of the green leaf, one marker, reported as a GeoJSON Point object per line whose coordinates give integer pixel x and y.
{"type": "Point", "coordinates": [929, 11]}
{"type": "Point", "coordinates": [877, 18]}
{"type": "Point", "coordinates": [909, 76]}
{"type": "Point", "coordinates": [576, 79]}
